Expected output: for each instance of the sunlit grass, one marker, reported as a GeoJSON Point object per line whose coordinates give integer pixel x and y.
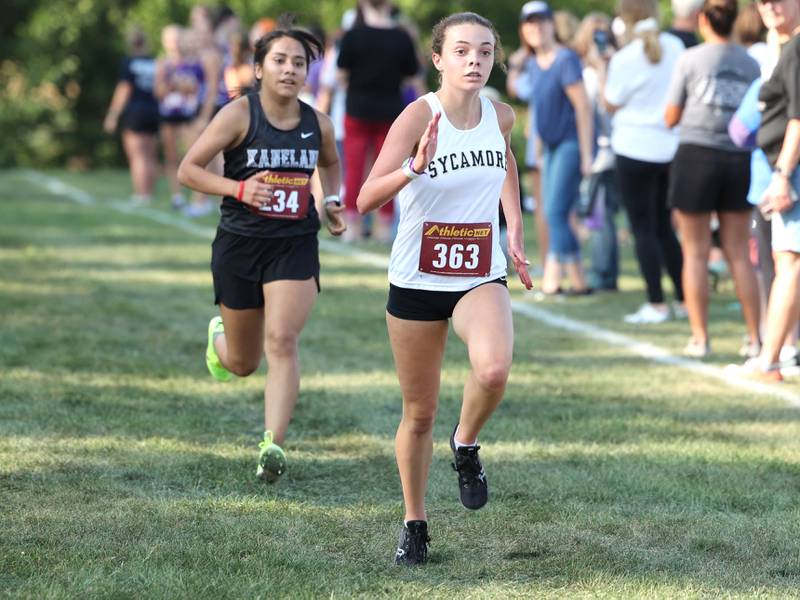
{"type": "Point", "coordinates": [125, 471]}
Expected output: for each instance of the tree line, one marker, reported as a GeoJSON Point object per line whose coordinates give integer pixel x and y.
{"type": "Point", "coordinates": [59, 61]}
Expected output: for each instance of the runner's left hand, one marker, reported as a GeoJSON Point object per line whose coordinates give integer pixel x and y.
{"type": "Point", "coordinates": [335, 219]}
{"type": "Point", "coordinates": [517, 254]}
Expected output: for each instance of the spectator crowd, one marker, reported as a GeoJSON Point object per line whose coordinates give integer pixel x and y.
{"type": "Point", "coordinates": [685, 138]}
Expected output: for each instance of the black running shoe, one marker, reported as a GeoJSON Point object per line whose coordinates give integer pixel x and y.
{"type": "Point", "coordinates": [472, 484]}
{"type": "Point", "coordinates": [412, 549]}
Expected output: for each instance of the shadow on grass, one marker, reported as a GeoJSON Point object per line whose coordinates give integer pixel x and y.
{"type": "Point", "coordinates": [702, 524]}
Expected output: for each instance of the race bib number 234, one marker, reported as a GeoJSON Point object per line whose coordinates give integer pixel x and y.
{"type": "Point", "coordinates": [290, 196]}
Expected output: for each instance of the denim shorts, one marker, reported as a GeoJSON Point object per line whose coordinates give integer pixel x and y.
{"type": "Point", "coordinates": [786, 225]}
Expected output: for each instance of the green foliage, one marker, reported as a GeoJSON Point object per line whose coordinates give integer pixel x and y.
{"type": "Point", "coordinates": [61, 59]}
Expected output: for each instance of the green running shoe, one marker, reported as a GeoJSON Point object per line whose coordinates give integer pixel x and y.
{"type": "Point", "coordinates": [216, 369]}
{"type": "Point", "coordinates": [271, 460]}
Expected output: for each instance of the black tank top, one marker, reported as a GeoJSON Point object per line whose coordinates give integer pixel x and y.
{"type": "Point", "coordinates": [268, 148]}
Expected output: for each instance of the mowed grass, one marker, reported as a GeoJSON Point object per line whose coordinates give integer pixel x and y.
{"type": "Point", "coordinates": [127, 472]}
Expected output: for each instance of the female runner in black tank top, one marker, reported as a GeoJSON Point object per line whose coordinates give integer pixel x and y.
{"type": "Point", "coordinates": [265, 258]}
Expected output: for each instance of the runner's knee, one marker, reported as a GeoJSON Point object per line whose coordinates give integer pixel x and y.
{"type": "Point", "coordinates": [280, 344]}
{"type": "Point", "coordinates": [492, 375]}
{"type": "Point", "coordinates": [419, 420]}
{"type": "Point", "coordinates": [242, 367]}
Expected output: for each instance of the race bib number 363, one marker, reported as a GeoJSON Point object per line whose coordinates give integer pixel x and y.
{"type": "Point", "coordinates": [290, 196]}
{"type": "Point", "coordinates": [459, 249]}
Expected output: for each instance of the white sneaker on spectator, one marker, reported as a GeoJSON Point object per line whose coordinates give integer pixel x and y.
{"type": "Point", "coordinates": [697, 350]}
{"type": "Point", "coordinates": [177, 201]}
{"type": "Point", "coordinates": [140, 199]}
{"type": "Point", "coordinates": [749, 349]}
{"type": "Point", "coordinates": [789, 361]}
{"type": "Point", "coordinates": [754, 368]}
{"type": "Point", "coordinates": [679, 310]}
{"type": "Point", "coordinates": [647, 314]}
{"type": "Point", "coordinates": [198, 209]}
{"type": "Point", "coordinates": [788, 354]}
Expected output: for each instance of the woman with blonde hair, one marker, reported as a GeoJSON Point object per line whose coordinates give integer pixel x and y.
{"type": "Point", "coordinates": [750, 32]}
{"type": "Point", "coordinates": [594, 43]}
{"type": "Point", "coordinates": [636, 93]}
{"type": "Point", "coordinates": [566, 25]}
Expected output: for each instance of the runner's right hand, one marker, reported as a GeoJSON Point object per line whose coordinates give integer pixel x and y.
{"type": "Point", "coordinates": [256, 192]}
{"type": "Point", "coordinates": [426, 149]}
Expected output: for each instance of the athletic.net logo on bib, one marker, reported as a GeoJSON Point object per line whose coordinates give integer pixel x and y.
{"type": "Point", "coordinates": [460, 249]}
{"type": "Point", "coordinates": [290, 196]}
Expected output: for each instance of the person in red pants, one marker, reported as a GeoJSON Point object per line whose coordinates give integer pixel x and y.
{"type": "Point", "coordinates": [376, 55]}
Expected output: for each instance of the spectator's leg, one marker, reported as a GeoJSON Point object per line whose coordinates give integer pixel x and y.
{"type": "Point", "coordinates": [695, 229]}
{"type": "Point", "coordinates": [734, 231]}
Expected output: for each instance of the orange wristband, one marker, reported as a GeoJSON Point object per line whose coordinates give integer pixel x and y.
{"type": "Point", "coordinates": [240, 193]}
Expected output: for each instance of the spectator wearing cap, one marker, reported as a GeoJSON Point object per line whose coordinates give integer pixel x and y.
{"type": "Point", "coordinates": [636, 94]}
{"type": "Point", "coordinates": [549, 76]}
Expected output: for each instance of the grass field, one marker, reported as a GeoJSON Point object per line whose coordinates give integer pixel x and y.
{"type": "Point", "coordinates": [127, 472]}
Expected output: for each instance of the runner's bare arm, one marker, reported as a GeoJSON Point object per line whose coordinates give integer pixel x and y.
{"type": "Point", "coordinates": [330, 174]}
{"type": "Point", "coordinates": [414, 127]}
{"type": "Point", "coordinates": [509, 198]}
{"type": "Point", "coordinates": [226, 130]}
{"type": "Point", "coordinates": [330, 171]}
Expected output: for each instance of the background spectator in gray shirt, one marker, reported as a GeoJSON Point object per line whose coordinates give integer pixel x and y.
{"type": "Point", "coordinates": [711, 174]}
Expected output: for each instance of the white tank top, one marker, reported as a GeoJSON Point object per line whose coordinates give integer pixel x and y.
{"type": "Point", "coordinates": [462, 184]}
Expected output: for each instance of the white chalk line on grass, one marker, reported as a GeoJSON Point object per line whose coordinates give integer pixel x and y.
{"type": "Point", "coordinates": [645, 350]}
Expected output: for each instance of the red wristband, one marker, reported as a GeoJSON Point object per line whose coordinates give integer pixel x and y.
{"type": "Point", "coordinates": [240, 193]}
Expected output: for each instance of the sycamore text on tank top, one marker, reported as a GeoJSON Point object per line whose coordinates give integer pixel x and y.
{"type": "Point", "coordinates": [448, 237]}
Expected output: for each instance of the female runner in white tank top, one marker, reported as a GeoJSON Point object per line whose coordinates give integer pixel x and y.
{"type": "Point", "coordinates": [448, 158]}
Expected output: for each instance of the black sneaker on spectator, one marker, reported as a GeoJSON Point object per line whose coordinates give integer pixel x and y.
{"type": "Point", "coordinates": [472, 485]}
{"type": "Point", "coordinates": [412, 549]}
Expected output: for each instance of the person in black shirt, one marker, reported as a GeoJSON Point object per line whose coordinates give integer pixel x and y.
{"type": "Point", "coordinates": [134, 111]}
{"type": "Point", "coordinates": [265, 257]}
{"type": "Point", "coordinates": [376, 55]}
{"type": "Point", "coordinates": [779, 138]}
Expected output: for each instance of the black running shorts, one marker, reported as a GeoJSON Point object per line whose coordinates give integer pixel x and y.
{"type": "Point", "coordinates": [139, 118]}
{"type": "Point", "coordinates": [427, 305]}
{"type": "Point", "coordinates": [704, 180]}
{"type": "Point", "coordinates": [241, 265]}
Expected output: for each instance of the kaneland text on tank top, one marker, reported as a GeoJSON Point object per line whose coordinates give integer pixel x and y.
{"type": "Point", "coordinates": [274, 158]}
{"type": "Point", "coordinates": [464, 160]}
